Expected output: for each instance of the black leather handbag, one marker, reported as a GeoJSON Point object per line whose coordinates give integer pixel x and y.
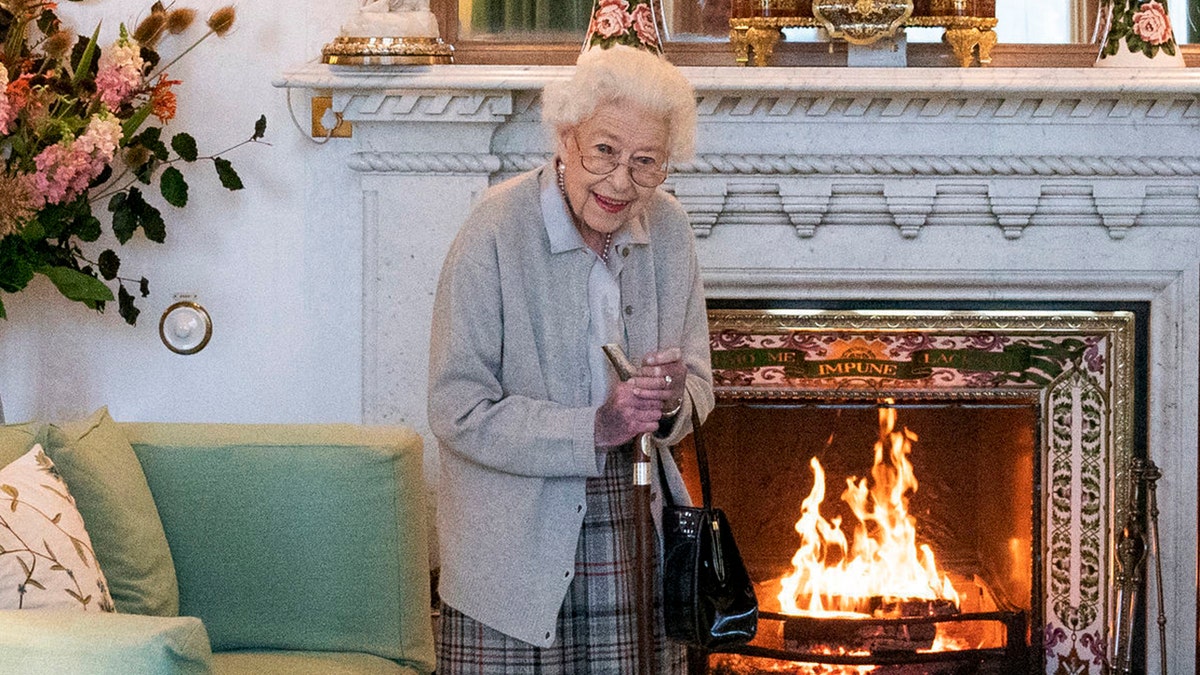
{"type": "Point", "coordinates": [708, 598]}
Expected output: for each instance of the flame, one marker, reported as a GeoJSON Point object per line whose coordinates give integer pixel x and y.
{"type": "Point", "coordinates": [833, 576]}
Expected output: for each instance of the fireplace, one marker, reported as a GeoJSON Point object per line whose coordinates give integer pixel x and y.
{"type": "Point", "coordinates": [1017, 430]}
{"type": "Point", "coordinates": [1006, 189]}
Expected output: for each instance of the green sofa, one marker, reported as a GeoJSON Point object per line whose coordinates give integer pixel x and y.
{"type": "Point", "coordinates": [298, 549]}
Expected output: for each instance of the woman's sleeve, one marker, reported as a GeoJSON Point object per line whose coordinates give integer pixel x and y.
{"type": "Point", "coordinates": [469, 410]}
{"type": "Point", "coordinates": [695, 347]}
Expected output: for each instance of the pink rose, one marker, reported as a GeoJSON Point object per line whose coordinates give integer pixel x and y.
{"type": "Point", "coordinates": [1151, 24]}
{"type": "Point", "coordinates": [643, 25]}
{"type": "Point", "coordinates": [612, 19]}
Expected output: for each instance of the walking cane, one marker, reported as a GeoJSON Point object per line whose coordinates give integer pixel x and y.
{"type": "Point", "coordinates": [643, 528]}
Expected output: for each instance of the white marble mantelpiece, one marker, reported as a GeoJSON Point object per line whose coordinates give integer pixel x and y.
{"type": "Point", "coordinates": [838, 184]}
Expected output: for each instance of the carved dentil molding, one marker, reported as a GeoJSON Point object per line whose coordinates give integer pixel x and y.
{"type": "Point", "coordinates": [907, 192]}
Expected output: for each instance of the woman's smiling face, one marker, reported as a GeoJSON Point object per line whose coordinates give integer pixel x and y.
{"type": "Point", "coordinates": [630, 134]}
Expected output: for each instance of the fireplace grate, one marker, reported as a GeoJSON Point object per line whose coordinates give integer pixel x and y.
{"type": "Point", "coordinates": [1011, 657]}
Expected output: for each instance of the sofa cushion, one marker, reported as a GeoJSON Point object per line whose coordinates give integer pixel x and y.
{"type": "Point", "coordinates": [296, 537]}
{"type": "Point", "coordinates": [54, 642]}
{"type": "Point", "coordinates": [17, 439]}
{"type": "Point", "coordinates": [305, 663]}
{"type": "Point", "coordinates": [46, 556]}
{"type": "Point", "coordinates": [111, 490]}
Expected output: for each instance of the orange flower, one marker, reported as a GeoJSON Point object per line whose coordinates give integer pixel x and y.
{"type": "Point", "coordinates": [162, 99]}
{"type": "Point", "coordinates": [18, 90]}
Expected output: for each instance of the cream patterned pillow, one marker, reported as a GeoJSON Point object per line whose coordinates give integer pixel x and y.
{"type": "Point", "coordinates": [46, 557]}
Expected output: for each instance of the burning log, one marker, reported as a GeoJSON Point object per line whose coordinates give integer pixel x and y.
{"type": "Point", "coordinates": [889, 628]}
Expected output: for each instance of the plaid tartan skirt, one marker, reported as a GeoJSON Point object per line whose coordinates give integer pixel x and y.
{"type": "Point", "coordinates": [596, 625]}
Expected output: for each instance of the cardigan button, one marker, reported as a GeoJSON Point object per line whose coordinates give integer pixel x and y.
{"type": "Point", "coordinates": [628, 310]}
{"type": "Point", "coordinates": [624, 251]}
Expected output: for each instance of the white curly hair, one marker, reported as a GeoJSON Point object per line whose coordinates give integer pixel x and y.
{"type": "Point", "coordinates": [623, 74]}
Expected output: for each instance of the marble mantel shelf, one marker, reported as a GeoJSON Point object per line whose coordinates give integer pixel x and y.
{"type": "Point", "coordinates": [994, 81]}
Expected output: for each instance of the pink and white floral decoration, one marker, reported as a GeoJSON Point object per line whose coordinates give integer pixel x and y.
{"type": "Point", "coordinates": [620, 22]}
{"type": "Point", "coordinates": [1138, 31]}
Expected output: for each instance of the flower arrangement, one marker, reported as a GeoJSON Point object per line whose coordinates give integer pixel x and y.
{"type": "Point", "coordinates": [619, 22]}
{"type": "Point", "coordinates": [1143, 26]}
{"type": "Point", "coordinates": [83, 126]}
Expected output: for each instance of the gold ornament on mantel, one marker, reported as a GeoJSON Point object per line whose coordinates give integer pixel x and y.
{"type": "Point", "coordinates": [862, 22]}
{"type": "Point", "coordinates": [389, 33]}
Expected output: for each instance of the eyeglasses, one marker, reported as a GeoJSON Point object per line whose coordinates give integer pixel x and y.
{"type": "Point", "coordinates": [602, 159]}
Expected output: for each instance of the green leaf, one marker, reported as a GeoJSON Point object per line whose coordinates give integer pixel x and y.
{"type": "Point", "coordinates": [85, 60]}
{"type": "Point", "coordinates": [33, 231]}
{"type": "Point", "coordinates": [144, 286]}
{"type": "Point", "coordinates": [54, 219]}
{"type": "Point", "coordinates": [174, 188]}
{"type": "Point", "coordinates": [77, 285]}
{"type": "Point", "coordinates": [151, 139]}
{"type": "Point", "coordinates": [131, 125]}
{"type": "Point", "coordinates": [260, 128]}
{"type": "Point", "coordinates": [87, 228]}
{"type": "Point", "coordinates": [3, 315]}
{"type": "Point", "coordinates": [109, 264]}
{"type": "Point", "coordinates": [184, 146]}
{"type": "Point", "coordinates": [125, 306]}
{"type": "Point", "coordinates": [229, 177]}
{"type": "Point", "coordinates": [17, 263]}
{"type": "Point", "coordinates": [152, 224]}
{"type": "Point", "coordinates": [47, 21]}
{"type": "Point", "coordinates": [124, 220]}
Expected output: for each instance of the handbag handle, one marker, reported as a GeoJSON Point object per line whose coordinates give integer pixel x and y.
{"type": "Point", "coordinates": [701, 460]}
{"type": "Point", "coordinates": [701, 463]}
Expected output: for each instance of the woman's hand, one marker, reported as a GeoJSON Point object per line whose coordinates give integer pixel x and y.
{"type": "Point", "coordinates": [663, 377]}
{"type": "Point", "coordinates": [637, 405]}
{"type": "Point", "coordinates": [627, 413]}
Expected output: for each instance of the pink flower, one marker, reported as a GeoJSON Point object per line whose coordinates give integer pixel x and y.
{"type": "Point", "coordinates": [119, 73]}
{"type": "Point", "coordinates": [612, 19]}
{"type": "Point", "coordinates": [1151, 24]}
{"type": "Point", "coordinates": [643, 25]}
{"type": "Point", "coordinates": [65, 169]}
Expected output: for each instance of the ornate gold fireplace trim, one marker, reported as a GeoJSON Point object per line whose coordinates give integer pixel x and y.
{"type": "Point", "coordinates": [1078, 366]}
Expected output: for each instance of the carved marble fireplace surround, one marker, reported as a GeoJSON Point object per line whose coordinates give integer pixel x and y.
{"type": "Point", "coordinates": [835, 184]}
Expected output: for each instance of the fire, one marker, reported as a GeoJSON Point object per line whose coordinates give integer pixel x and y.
{"type": "Point", "coordinates": [834, 576]}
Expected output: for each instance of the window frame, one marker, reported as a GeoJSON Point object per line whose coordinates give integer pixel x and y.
{"type": "Point", "coordinates": [717, 53]}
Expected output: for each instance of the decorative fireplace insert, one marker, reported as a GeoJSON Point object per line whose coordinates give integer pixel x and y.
{"type": "Point", "coordinates": [924, 491]}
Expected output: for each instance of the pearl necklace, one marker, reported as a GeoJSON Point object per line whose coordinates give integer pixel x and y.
{"type": "Point", "coordinates": [562, 188]}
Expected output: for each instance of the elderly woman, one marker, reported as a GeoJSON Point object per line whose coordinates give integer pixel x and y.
{"type": "Point", "coordinates": [535, 427]}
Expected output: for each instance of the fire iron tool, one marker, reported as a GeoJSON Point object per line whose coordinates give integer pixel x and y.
{"type": "Point", "coordinates": [643, 529]}
{"type": "Point", "coordinates": [1150, 475]}
{"type": "Point", "coordinates": [1132, 551]}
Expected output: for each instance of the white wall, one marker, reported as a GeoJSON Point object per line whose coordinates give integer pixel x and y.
{"type": "Point", "coordinates": [277, 264]}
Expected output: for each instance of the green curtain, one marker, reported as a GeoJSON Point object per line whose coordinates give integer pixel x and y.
{"type": "Point", "coordinates": [531, 16]}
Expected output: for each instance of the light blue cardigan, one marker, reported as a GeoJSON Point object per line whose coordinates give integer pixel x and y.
{"type": "Point", "coordinates": [509, 390]}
